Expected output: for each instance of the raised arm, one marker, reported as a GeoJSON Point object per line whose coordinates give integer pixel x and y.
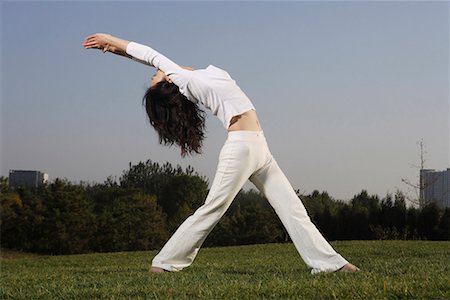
{"type": "Point", "coordinates": [141, 53]}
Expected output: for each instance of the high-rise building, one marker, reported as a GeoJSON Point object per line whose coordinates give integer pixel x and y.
{"type": "Point", "coordinates": [27, 178]}
{"type": "Point", "coordinates": [435, 187]}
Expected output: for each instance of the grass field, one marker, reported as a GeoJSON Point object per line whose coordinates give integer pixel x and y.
{"type": "Point", "coordinates": [390, 270]}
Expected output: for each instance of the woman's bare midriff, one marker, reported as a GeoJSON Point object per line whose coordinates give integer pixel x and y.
{"type": "Point", "coordinates": [246, 121]}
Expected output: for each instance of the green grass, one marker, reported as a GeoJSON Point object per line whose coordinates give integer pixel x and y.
{"type": "Point", "coordinates": [390, 270]}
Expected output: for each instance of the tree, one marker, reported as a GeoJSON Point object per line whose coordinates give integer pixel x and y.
{"type": "Point", "coordinates": [29, 226]}
{"type": "Point", "coordinates": [399, 215]}
{"type": "Point", "coordinates": [419, 187]}
{"type": "Point", "coordinates": [428, 221]}
{"type": "Point", "coordinates": [132, 221]}
{"type": "Point", "coordinates": [393, 218]}
{"type": "Point", "coordinates": [412, 214]}
{"type": "Point", "coordinates": [444, 226]}
{"type": "Point", "coordinates": [323, 211]}
{"type": "Point", "coordinates": [68, 223]}
{"type": "Point", "coordinates": [180, 197]}
{"type": "Point", "coordinates": [126, 218]}
{"type": "Point", "coordinates": [249, 220]}
{"type": "Point", "coordinates": [254, 219]}
{"type": "Point", "coordinates": [365, 211]}
{"type": "Point", "coordinates": [4, 187]}
{"type": "Point", "coordinates": [178, 191]}
{"type": "Point", "coordinates": [11, 212]}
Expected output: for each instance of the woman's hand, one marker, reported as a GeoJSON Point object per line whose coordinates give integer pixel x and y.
{"type": "Point", "coordinates": [100, 41]}
{"type": "Point", "coordinates": [107, 42]}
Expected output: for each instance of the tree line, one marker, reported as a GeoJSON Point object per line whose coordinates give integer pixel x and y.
{"type": "Point", "coordinates": [149, 201]}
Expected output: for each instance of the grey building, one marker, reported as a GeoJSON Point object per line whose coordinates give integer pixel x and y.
{"type": "Point", "coordinates": [436, 187]}
{"type": "Point", "coordinates": [26, 178]}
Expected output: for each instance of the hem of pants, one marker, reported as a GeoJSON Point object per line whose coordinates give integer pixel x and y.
{"type": "Point", "coordinates": [166, 267]}
{"type": "Point", "coordinates": [315, 271]}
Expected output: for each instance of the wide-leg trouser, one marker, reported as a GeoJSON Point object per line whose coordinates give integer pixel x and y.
{"type": "Point", "coordinates": [245, 155]}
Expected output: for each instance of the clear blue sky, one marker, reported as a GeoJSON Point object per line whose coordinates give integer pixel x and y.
{"type": "Point", "coordinates": [344, 90]}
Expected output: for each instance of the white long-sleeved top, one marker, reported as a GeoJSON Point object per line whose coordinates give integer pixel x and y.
{"type": "Point", "coordinates": [212, 87]}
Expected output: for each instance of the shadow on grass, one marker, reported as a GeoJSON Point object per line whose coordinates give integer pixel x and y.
{"type": "Point", "coordinates": [237, 272]}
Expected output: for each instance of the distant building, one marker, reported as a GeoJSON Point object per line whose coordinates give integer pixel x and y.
{"type": "Point", "coordinates": [27, 178]}
{"type": "Point", "coordinates": [436, 187]}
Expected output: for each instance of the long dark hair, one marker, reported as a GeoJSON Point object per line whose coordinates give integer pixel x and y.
{"type": "Point", "coordinates": [176, 119]}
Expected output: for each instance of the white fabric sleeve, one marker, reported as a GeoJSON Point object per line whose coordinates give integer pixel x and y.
{"type": "Point", "coordinates": [151, 57]}
{"type": "Point", "coordinates": [141, 61]}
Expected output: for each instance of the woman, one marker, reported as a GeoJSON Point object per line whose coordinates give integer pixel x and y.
{"type": "Point", "coordinates": [171, 105]}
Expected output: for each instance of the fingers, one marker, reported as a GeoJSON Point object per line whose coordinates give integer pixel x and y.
{"type": "Point", "coordinates": [96, 41]}
{"type": "Point", "coordinates": [89, 42]}
{"type": "Point", "coordinates": [92, 41]}
{"type": "Point", "coordinates": [89, 45]}
{"type": "Point", "coordinates": [91, 36]}
{"type": "Point", "coordinates": [93, 44]}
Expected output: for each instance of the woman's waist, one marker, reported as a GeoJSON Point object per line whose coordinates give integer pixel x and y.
{"type": "Point", "coordinates": [247, 121]}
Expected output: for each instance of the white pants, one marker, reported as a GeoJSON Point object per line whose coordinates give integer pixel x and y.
{"type": "Point", "coordinates": [245, 155]}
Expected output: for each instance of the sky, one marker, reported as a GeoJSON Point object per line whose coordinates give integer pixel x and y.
{"type": "Point", "coordinates": [344, 90]}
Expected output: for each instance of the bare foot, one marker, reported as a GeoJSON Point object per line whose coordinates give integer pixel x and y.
{"type": "Point", "coordinates": [349, 268]}
{"type": "Point", "coordinates": [156, 270]}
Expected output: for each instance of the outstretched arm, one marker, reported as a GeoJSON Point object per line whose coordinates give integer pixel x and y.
{"type": "Point", "coordinates": [143, 54]}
